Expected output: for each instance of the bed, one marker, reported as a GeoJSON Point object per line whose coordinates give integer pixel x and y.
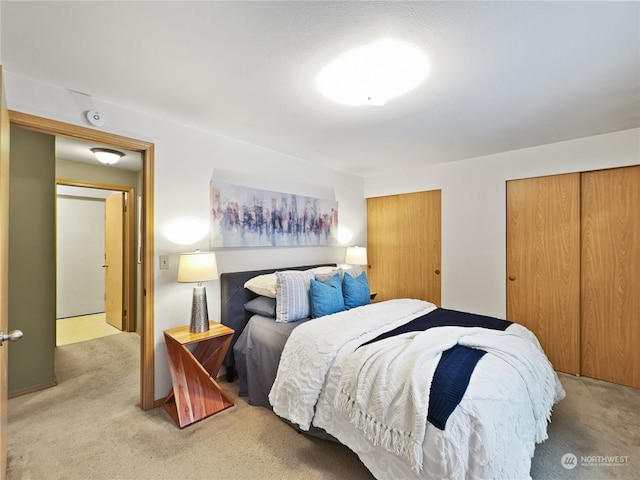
{"type": "Point", "coordinates": [366, 376]}
{"type": "Point", "coordinates": [233, 298]}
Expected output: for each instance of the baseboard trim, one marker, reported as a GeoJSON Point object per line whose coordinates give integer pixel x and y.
{"type": "Point", "coordinates": [36, 388]}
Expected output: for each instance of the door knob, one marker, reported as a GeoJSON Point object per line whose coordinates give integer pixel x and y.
{"type": "Point", "coordinates": [12, 336]}
{"type": "Point", "coordinates": [437, 272]}
{"type": "Point", "coordinates": [512, 277]}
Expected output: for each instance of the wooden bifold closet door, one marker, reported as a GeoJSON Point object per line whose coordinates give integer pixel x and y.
{"type": "Point", "coordinates": [611, 275]}
{"type": "Point", "coordinates": [543, 263]}
{"type": "Point", "coordinates": [404, 246]}
{"type": "Point", "coordinates": [573, 269]}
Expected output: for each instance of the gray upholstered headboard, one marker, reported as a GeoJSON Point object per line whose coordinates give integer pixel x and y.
{"type": "Point", "coordinates": [233, 297]}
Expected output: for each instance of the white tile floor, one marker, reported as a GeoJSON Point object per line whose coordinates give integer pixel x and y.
{"type": "Point", "coordinates": [80, 329]}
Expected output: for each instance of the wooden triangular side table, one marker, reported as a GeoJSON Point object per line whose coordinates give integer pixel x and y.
{"type": "Point", "coordinates": [195, 394]}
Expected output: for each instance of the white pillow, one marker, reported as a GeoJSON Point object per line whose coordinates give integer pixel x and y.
{"type": "Point", "coordinates": [323, 277]}
{"type": "Point", "coordinates": [322, 270]}
{"type": "Point", "coordinates": [292, 296]}
{"type": "Point", "coordinates": [354, 271]}
{"type": "Point", "coordinates": [264, 285]}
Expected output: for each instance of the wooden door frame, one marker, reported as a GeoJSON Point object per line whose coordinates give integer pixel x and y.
{"type": "Point", "coordinates": [128, 272]}
{"type": "Point", "coordinates": [4, 271]}
{"type": "Point", "coordinates": [146, 330]}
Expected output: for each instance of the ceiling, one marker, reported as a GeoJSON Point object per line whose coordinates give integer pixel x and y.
{"type": "Point", "coordinates": [504, 75]}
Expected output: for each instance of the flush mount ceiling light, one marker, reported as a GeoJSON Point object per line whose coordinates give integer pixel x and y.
{"type": "Point", "coordinates": [374, 73]}
{"type": "Point", "coordinates": [107, 156]}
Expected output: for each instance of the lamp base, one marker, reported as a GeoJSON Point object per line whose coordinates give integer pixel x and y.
{"type": "Point", "coordinates": [199, 312]}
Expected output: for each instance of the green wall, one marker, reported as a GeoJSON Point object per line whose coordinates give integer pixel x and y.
{"type": "Point", "coordinates": [32, 279]}
{"type": "Point", "coordinates": [85, 172]}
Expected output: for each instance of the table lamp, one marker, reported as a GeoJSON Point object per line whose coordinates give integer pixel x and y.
{"type": "Point", "coordinates": [198, 267]}
{"type": "Point", "coordinates": [356, 256]}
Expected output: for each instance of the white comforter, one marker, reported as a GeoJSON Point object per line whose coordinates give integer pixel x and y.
{"type": "Point", "coordinates": [492, 433]}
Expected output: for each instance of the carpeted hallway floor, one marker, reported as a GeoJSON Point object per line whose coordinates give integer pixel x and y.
{"type": "Point", "coordinates": [90, 427]}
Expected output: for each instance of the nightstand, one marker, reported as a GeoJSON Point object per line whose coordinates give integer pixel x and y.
{"type": "Point", "coordinates": [195, 394]}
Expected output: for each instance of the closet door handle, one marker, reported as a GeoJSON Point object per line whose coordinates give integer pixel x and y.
{"type": "Point", "coordinates": [437, 272]}
{"type": "Point", "coordinates": [512, 277]}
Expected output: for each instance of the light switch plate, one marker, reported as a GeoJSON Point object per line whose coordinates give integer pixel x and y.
{"type": "Point", "coordinates": [164, 262]}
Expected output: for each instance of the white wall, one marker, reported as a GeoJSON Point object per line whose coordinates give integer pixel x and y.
{"type": "Point", "coordinates": [474, 208]}
{"type": "Point", "coordinates": [473, 200]}
{"type": "Point", "coordinates": [185, 158]}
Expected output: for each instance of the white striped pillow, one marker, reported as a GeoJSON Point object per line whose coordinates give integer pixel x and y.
{"type": "Point", "coordinates": [292, 296]}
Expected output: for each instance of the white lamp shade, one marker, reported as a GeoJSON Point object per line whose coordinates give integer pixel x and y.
{"type": "Point", "coordinates": [356, 256]}
{"type": "Point", "coordinates": [197, 267]}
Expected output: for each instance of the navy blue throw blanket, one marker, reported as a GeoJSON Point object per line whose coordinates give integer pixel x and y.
{"type": "Point", "coordinates": [441, 317]}
{"type": "Point", "coordinates": [450, 381]}
{"type": "Point", "coordinates": [453, 372]}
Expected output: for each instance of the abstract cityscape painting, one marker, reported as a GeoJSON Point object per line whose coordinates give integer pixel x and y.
{"type": "Point", "coordinates": [249, 217]}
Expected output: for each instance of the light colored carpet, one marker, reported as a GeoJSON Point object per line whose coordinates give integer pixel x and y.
{"type": "Point", "coordinates": [83, 328]}
{"type": "Point", "coordinates": [91, 427]}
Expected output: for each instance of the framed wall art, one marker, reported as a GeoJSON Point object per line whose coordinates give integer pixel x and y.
{"type": "Point", "coordinates": [249, 217]}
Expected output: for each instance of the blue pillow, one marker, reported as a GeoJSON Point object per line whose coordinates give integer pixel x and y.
{"type": "Point", "coordinates": [356, 291]}
{"type": "Point", "coordinates": [326, 298]}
